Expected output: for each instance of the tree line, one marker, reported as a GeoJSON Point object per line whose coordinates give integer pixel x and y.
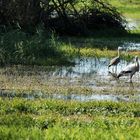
{"type": "Point", "coordinates": [70, 17]}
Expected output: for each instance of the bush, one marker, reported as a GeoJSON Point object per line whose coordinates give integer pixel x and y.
{"type": "Point", "coordinates": [66, 17]}
{"type": "Point", "coordinates": [18, 47]}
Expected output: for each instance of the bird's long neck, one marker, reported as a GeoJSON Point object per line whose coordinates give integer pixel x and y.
{"type": "Point", "coordinates": [118, 53]}
{"type": "Point", "coordinates": [137, 65]}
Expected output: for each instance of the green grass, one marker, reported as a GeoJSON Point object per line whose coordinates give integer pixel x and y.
{"type": "Point", "coordinates": [18, 47]}
{"type": "Point", "coordinates": [88, 52]}
{"type": "Point", "coordinates": [57, 119]}
{"type": "Point", "coordinates": [95, 47]}
{"type": "Point", "coordinates": [129, 8]}
{"type": "Point", "coordinates": [99, 128]}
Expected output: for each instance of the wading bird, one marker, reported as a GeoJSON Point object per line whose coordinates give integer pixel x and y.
{"type": "Point", "coordinates": [116, 60]}
{"type": "Point", "coordinates": [130, 69]}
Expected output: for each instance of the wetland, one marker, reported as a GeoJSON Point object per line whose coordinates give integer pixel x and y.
{"type": "Point", "coordinates": [60, 88]}
{"type": "Point", "coordinates": [88, 79]}
{"type": "Point", "coordinates": [70, 100]}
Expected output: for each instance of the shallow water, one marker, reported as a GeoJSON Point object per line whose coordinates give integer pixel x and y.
{"type": "Point", "coordinates": [96, 69]}
{"type": "Point", "coordinates": [87, 67]}
{"type": "Point", "coordinates": [89, 74]}
{"type": "Point", "coordinates": [84, 67]}
{"type": "Point", "coordinates": [92, 97]}
{"type": "Point", "coordinates": [86, 72]}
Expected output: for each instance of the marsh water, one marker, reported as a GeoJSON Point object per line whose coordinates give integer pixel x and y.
{"type": "Point", "coordinates": [92, 97]}
{"type": "Point", "coordinates": [89, 79]}
{"type": "Point", "coordinates": [88, 67]}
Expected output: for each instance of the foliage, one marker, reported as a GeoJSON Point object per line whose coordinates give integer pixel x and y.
{"type": "Point", "coordinates": [71, 17]}
{"type": "Point", "coordinates": [20, 13]}
{"type": "Point", "coordinates": [81, 18]}
{"type": "Point", "coordinates": [18, 47]}
{"type": "Point", "coordinates": [68, 119]}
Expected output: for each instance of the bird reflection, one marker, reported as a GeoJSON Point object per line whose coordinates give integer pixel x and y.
{"type": "Point", "coordinates": [131, 85]}
{"type": "Point", "coordinates": [114, 75]}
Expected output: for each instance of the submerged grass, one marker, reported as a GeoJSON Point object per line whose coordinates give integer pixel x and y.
{"type": "Point", "coordinates": [20, 81]}
{"type": "Point", "coordinates": [57, 119]}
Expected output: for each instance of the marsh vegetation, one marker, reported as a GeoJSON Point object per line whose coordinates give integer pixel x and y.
{"type": "Point", "coordinates": [54, 79]}
{"type": "Point", "coordinates": [69, 100]}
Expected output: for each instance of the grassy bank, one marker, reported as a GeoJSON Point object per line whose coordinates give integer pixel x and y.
{"type": "Point", "coordinates": [51, 119]}
{"type": "Point", "coordinates": [98, 47]}
{"type": "Point", "coordinates": [90, 51]}
{"type": "Point", "coordinates": [129, 8]}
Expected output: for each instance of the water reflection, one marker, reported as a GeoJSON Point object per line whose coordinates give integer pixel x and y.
{"type": "Point", "coordinates": [86, 67]}
{"type": "Point", "coordinates": [92, 68]}
{"type": "Point", "coordinates": [83, 98]}
{"type": "Point", "coordinates": [89, 73]}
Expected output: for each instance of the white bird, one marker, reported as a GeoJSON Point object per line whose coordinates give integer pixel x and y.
{"type": "Point", "coordinates": [130, 69]}
{"type": "Point", "coordinates": [115, 60]}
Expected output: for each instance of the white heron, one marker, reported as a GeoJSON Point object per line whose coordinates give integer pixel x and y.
{"type": "Point", "coordinates": [130, 69]}
{"type": "Point", "coordinates": [115, 60]}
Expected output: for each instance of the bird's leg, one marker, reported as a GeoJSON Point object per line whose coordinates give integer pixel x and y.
{"type": "Point", "coordinates": [112, 69]}
{"type": "Point", "coordinates": [108, 69]}
{"type": "Point", "coordinates": [131, 78]}
{"type": "Point", "coordinates": [116, 69]}
{"type": "Point", "coordinates": [131, 85]}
